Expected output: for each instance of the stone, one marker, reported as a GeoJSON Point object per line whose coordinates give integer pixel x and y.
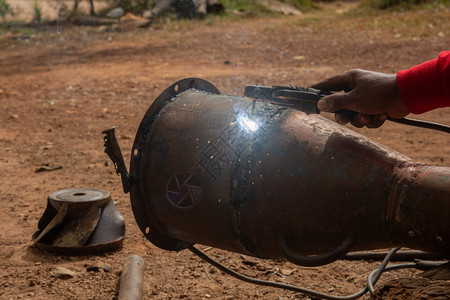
{"type": "Point", "coordinates": [99, 266]}
{"type": "Point", "coordinates": [115, 13]}
{"type": "Point", "coordinates": [63, 273]}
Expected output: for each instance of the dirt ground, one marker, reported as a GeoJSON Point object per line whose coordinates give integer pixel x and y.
{"type": "Point", "coordinates": [61, 86]}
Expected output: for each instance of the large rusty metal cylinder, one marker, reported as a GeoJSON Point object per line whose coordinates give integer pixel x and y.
{"type": "Point", "coordinates": [273, 182]}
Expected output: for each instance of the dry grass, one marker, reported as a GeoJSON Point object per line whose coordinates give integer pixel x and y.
{"type": "Point", "coordinates": [427, 21]}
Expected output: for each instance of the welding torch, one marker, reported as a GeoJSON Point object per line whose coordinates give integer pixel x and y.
{"type": "Point", "coordinates": [305, 99]}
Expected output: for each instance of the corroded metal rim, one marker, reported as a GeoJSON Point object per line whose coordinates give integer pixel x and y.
{"type": "Point", "coordinates": [143, 215]}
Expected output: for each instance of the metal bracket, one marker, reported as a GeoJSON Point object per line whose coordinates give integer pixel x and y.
{"type": "Point", "coordinates": [112, 148]}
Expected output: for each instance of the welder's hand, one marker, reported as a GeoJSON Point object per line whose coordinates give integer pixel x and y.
{"type": "Point", "coordinates": [373, 95]}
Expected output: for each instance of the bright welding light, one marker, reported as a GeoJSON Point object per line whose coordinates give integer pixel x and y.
{"type": "Point", "coordinates": [247, 124]}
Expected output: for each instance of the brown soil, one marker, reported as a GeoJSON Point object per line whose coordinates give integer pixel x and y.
{"type": "Point", "coordinates": [60, 87]}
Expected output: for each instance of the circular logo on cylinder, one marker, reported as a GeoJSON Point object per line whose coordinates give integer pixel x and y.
{"type": "Point", "coordinates": [184, 190]}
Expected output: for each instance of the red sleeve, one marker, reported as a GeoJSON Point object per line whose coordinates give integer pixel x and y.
{"type": "Point", "coordinates": [426, 86]}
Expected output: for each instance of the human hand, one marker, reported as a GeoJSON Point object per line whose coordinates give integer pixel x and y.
{"type": "Point", "coordinates": [374, 96]}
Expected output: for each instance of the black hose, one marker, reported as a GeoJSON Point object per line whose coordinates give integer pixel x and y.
{"type": "Point", "coordinates": [399, 256]}
{"type": "Point", "coordinates": [405, 121]}
{"type": "Point", "coordinates": [372, 278]}
{"type": "Point", "coordinates": [422, 124]}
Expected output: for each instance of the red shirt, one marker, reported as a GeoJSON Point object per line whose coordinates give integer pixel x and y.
{"type": "Point", "coordinates": [426, 86]}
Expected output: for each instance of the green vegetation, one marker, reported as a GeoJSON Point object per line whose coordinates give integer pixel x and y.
{"type": "Point", "coordinates": [248, 7]}
{"type": "Point", "coordinates": [254, 8]}
{"type": "Point", "coordinates": [419, 22]}
{"type": "Point", "coordinates": [5, 10]}
{"type": "Point", "coordinates": [135, 6]}
{"type": "Point", "coordinates": [37, 12]}
{"type": "Point", "coordinates": [403, 4]}
{"type": "Point", "coordinates": [303, 5]}
{"type": "Point", "coordinates": [245, 7]}
{"type": "Point", "coordinates": [15, 27]}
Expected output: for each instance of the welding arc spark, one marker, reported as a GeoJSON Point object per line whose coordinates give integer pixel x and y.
{"type": "Point", "coordinates": [247, 124]}
{"type": "Point", "coordinates": [247, 121]}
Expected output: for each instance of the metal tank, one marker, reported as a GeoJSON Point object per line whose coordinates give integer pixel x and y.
{"type": "Point", "coordinates": [274, 182]}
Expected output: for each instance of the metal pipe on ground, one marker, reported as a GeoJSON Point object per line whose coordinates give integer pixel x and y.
{"type": "Point", "coordinates": [132, 278]}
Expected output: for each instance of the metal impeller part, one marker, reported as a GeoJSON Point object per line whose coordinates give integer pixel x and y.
{"type": "Point", "coordinates": [80, 220]}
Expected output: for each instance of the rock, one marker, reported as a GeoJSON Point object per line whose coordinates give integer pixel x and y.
{"type": "Point", "coordinates": [47, 167]}
{"type": "Point", "coordinates": [93, 21]}
{"type": "Point", "coordinates": [215, 7]}
{"type": "Point", "coordinates": [147, 14]}
{"type": "Point", "coordinates": [115, 13]}
{"type": "Point", "coordinates": [280, 7]}
{"type": "Point", "coordinates": [287, 272]}
{"type": "Point", "coordinates": [131, 17]}
{"type": "Point", "coordinates": [63, 273]}
{"type": "Point", "coordinates": [99, 266]}
{"type": "Point", "coordinates": [441, 272]}
{"type": "Point", "coordinates": [249, 261]}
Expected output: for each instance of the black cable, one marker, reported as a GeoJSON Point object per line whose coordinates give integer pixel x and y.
{"type": "Point", "coordinates": [390, 268]}
{"type": "Point", "coordinates": [421, 124]}
{"type": "Point", "coordinates": [428, 265]}
{"type": "Point", "coordinates": [373, 277]}
{"type": "Point", "coordinates": [405, 121]}
{"type": "Point", "coordinates": [376, 274]}
{"type": "Point", "coordinates": [409, 255]}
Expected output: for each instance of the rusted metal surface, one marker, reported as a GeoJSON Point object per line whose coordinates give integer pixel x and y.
{"type": "Point", "coordinates": [274, 182]}
{"type": "Point", "coordinates": [132, 278]}
{"type": "Point", "coordinates": [79, 221]}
